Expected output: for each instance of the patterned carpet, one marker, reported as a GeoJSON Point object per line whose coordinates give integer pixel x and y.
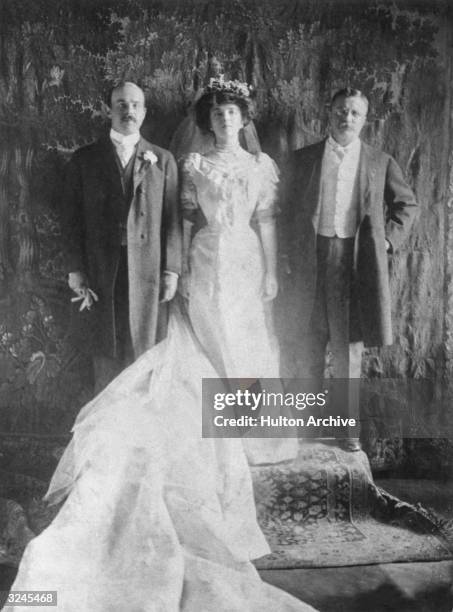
{"type": "Point", "coordinates": [324, 510]}
{"type": "Point", "coordinates": [321, 510]}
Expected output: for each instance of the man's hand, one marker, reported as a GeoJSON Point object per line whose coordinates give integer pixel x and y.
{"type": "Point", "coordinates": [169, 285]}
{"type": "Point", "coordinates": [270, 287]}
{"type": "Point", "coordinates": [78, 282]}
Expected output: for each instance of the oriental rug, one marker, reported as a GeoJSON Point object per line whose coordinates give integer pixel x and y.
{"type": "Point", "coordinates": [324, 510]}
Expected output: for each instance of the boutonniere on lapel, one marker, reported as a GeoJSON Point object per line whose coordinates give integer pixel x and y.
{"type": "Point", "coordinates": [149, 157]}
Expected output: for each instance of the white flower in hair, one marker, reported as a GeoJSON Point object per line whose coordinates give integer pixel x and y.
{"type": "Point", "coordinates": [150, 157]}
{"type": "Point", "coordinates": [237, 87]}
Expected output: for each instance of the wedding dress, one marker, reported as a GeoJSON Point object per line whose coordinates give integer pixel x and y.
{"type": "Point", "coordinates": [155, 518]}
{"type": "Point", "coordinates": [231, 190]}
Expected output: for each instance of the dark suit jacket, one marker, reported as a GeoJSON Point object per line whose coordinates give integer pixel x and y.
{"type": "Point", "coordinates": [387, 211]}
{"type": "Point", "coordinates": [93, 203]}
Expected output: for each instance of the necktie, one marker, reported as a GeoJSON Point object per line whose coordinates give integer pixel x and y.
{"type": "Point", "coordinates": [124, 145]}
{"type": "Point", "coordinates": [340, 153]}
{"type": "Point", "coordinates": [125, 152]}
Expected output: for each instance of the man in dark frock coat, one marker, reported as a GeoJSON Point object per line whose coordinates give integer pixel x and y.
{"type": "Point", "coordinates": [350, 209]}
{"type": "Point", "coordinates": [121, 219]}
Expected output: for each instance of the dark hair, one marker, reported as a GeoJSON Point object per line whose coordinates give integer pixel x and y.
{"type": "Point", "coordinates": [120, 85]}
{"type": "Point", "coordinates": [349, 92]}
{"type": "Point", "coordinates": [210, 99]}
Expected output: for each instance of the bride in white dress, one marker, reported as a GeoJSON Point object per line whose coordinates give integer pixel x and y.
{"type": "Point", "coordinates": [155, 518]}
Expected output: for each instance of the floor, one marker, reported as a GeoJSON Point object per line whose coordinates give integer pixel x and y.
{"type": "Point", "coordinates": [394, 587]}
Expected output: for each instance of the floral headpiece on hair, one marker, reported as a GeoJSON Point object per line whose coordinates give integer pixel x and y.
{"type": "Point", "coordinates": [236, 87]}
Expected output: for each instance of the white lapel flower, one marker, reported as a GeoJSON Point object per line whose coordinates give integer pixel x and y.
{"type": "Point", "coordinates": [150, 157]}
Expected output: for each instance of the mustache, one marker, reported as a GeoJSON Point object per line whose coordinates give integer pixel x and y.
{"type": "Point", "coordinates": [128, 118]}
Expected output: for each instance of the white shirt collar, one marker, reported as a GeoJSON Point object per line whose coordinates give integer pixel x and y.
{"type": "Point", "coordinates": [127, 141]}
{"type": "Point", "coordinates": [352, 147]}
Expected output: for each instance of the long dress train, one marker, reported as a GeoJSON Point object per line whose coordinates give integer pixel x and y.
{"type": "Point", "coordinates": [156, 518]}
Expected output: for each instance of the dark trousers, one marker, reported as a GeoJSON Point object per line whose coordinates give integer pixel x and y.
{"type": "Point", "coordinates": [335, 320]}
{"type": "Point", "coordinates": [107, 368]}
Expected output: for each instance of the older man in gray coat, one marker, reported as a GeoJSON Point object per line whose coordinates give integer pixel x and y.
{"type": "Point", "coordinates": [350, 210]}
{"type": "Point", "coordinates": [120, 212]}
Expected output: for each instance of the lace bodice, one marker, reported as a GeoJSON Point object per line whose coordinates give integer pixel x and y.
{"type": "Point", "coordinates": [230, 189]}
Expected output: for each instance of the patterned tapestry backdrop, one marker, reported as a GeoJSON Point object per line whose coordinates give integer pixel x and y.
{"type": "Point", "coordinates": [57, 61]}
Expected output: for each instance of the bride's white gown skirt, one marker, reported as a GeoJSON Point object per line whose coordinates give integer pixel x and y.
{"type": "Point", "coordinates": [156, 519]}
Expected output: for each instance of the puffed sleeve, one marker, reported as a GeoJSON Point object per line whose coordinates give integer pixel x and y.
{"type": "Point", "coordinates": [188, 194]}
{"type": "Point", "coordinates": [267, 206]}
